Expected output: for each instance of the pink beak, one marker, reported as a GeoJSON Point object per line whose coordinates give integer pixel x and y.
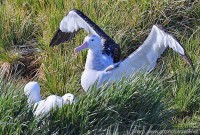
{"type": "Point", "coordinates": [81, 47]}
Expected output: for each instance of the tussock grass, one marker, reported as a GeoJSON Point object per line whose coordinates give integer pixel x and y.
{"type": "Point", "coordinates": [131, 103]}
{"type": "Point", "coordinates": [168, 98]}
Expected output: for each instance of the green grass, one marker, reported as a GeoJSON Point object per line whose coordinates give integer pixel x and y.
{"type": "Point", "coordinates": [167, 98]}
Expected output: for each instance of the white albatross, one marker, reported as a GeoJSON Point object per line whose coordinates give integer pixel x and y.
{"type": "Point", "coordinates": [42, 107]}
{"type": "Point", "coordinates": [143, 59]}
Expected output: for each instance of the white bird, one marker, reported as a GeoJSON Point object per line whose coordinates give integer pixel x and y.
{"type": "Point", "coordinates": [74, 21]}
{"type": "Point", "coordinates": [42, 107]}
{"type": "Point", "coordinates": [143, 59]}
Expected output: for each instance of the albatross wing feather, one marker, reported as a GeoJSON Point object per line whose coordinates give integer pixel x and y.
{"type": "Point", "coordinates": [146, 56]}
{"type": "Point", "coordinates": [152, 48]}
{"type": "Point", "coordinates": [76, 20]}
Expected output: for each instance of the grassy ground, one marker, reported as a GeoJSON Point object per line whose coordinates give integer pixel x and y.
{"type": "Point", "coordinates": [167, 98]}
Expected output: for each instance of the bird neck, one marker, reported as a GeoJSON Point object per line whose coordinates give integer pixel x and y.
{"type": "Point", "coordinates": [93, 60]}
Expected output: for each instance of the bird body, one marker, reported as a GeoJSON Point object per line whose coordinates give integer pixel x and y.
{"type": "Point", "coordinates": [143, 59]}
{"type": "Point", "coordinates": [42, 107]}
{"type": "Point", "coordinates": [46, 105]}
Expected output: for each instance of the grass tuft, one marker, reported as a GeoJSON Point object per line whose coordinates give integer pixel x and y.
{"type": "Point", "coordinates": [167, 98]}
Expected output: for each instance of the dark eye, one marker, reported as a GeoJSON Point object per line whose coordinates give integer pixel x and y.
{"type": "Point", "coordinates": [92, 40]}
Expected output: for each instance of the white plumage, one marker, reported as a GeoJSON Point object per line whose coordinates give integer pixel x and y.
{"type": "Point", "coordinates": [73, 22]}
{"type": "Point", "coordinates": [42, 107]}
{"type": "Point", "coordinates": [143, 59]}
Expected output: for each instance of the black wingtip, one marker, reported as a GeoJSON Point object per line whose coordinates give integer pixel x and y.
{"type": "Point", "coordinates": [188, 60]}
{"type": "Point", "coordinates": [54, 40]}
{"type": "Point", "coordinates": [59, 37]}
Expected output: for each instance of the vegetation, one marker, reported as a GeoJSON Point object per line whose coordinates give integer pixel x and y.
{"type": "Point", "coordinates": [166, 99]}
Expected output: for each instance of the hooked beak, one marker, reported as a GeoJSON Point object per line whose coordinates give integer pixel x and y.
{"type": "Point", "coordinates": [81, 47]}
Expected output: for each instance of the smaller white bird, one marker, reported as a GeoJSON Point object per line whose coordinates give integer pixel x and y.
{"type": "Point", "coordinates": [42, 107]}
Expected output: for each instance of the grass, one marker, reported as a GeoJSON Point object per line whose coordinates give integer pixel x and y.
{"type": "Point", "coordinates": [167, 98]}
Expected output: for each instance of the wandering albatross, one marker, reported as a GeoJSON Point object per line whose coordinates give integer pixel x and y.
{"type": "Point", "coordinates": [76, 20]}
{"type": "Point", "coordinates": [42, 107]}
{"type": "Point", "coordinates": [143, 59]}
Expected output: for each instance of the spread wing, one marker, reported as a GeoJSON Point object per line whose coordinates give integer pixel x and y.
{"type": "Point", "coordinates": [146, 56]}
{"type": "Point", "coordinates": [74, 21]}
{"type": "Point", "coordinates": [152, 48]}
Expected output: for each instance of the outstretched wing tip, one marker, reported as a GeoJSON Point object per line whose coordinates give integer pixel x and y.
{"type": "Point", "coordinates": [63, 34]}
{"type": "Point", "coordinates": [60, 37]}
{"type": "Point", "coordinates": [185, 56]}
{"type": "Point", "coordinates": [53, 40]}
{"type": "Point", "coordinates": [188, 60]}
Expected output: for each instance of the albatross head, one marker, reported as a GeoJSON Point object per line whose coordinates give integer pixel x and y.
{"type": "Point", "coordinates": [68, 98]}
{"type": "Point", "coordinates": [92, 42]}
